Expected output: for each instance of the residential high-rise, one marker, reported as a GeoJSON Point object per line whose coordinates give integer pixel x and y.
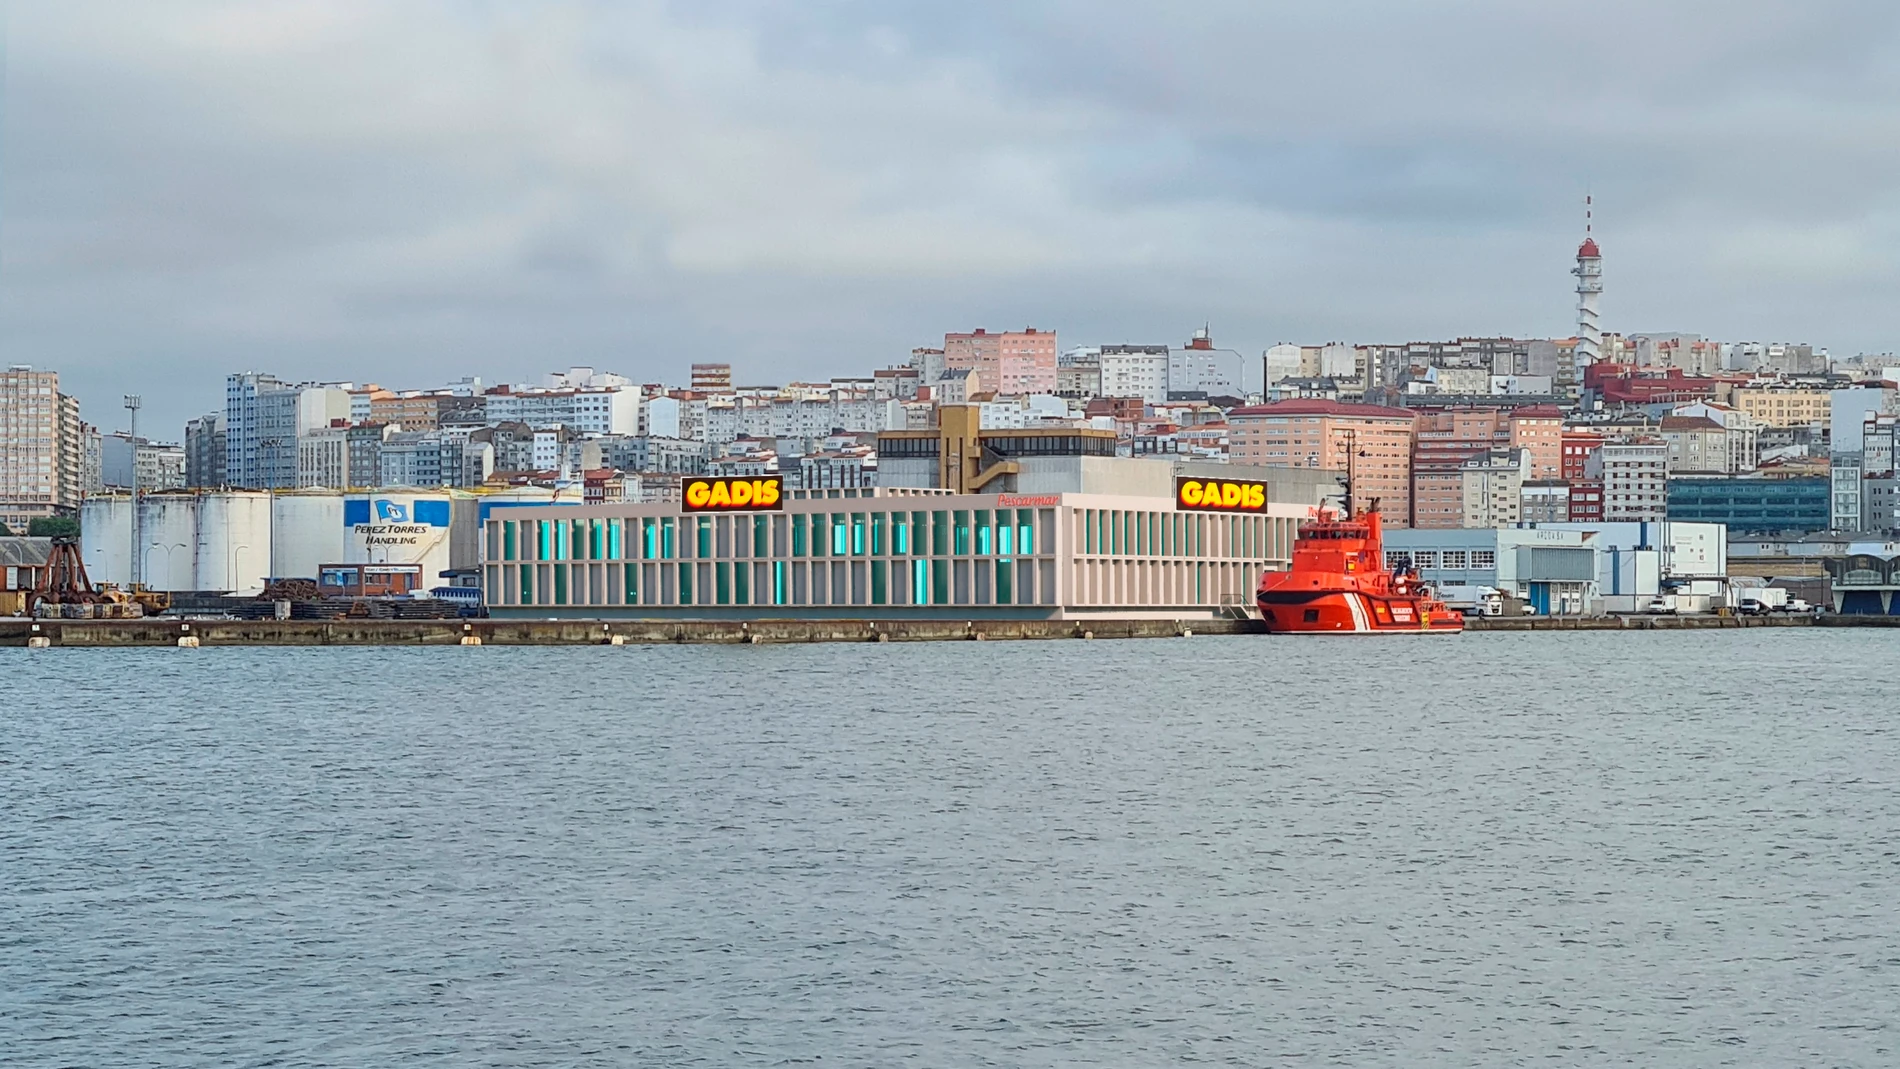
{"type": "Point", "coordinates": [260, 432]}
{"type": "Point", "coordinates": [1635, 478]}
{"type": "Point", "coordinates": [1013, 362]}
{"type": "Point", "coordinates": [42, 454]}
{"type": "Point", "coordinates": [205, 451]}
{"type": "Point", "coordinates": [1370, 444]}
{"type": "Point", "coordinates": [1135, 371]}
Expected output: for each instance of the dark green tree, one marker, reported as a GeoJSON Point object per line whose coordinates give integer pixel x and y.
{"type": "Point", "coordinates": [53, 527]}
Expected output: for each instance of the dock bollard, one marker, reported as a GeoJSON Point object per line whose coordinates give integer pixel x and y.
{"type": "Point", "coordinates": [469, 637]}
{"type": "Point", "coordinates": [37, 641]}
{"type": "Point", "coordinates": [186, 640]}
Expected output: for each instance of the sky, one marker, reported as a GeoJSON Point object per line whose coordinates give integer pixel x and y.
{"type": "Point", "coordinates": [409, 192]}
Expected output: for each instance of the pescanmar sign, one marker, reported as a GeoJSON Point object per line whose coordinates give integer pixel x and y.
{"type": "Point", "coordinates": [1220, 495]}
{"type": "Point", "coordinates": [760, 494]}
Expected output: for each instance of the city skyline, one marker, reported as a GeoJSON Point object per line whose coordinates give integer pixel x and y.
{"type": "Point", "coordinates": [414, 193]}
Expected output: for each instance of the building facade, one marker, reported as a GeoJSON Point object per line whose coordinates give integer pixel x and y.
{"type": "Point", "coordinates": [1012, 362]}
{"type": "Point", "coordinates": [42, 453]}
{"type": "Point", "coordinates": [884, 554]}
{"type": "Point", "coordinates": [1754, 506]}
{"type": "Point", "coordinates": [1635, 477]}
{"type": "Point", "coordinates": [1369, 444]}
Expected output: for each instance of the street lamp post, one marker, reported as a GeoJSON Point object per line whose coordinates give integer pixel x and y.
{"type": "Point", "coordinates": [133, 402]}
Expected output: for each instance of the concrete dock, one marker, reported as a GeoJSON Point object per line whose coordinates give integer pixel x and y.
{"type": "Point", "coordinates": [163, 631]}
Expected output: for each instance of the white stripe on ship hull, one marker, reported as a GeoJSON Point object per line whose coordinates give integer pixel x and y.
{"type": "Point", "coordinates": [1357, 603]}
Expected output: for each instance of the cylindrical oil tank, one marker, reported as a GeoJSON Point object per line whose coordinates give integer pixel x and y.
{"type": "Point", "coordinates": [105, 538]}
{"type": "Point", "coordinates": [306, 532]}
{"type": "Point", "coordinates": [233, 544]}
{"type": "Point", "coordinates": [170, 533]}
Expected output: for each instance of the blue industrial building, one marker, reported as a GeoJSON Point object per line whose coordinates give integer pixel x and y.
{"type": "Point", "coordinates": [1748, 505]}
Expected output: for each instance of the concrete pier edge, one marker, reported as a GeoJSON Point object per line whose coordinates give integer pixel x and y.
{"type": "Point", "coordinates": [212, 633]}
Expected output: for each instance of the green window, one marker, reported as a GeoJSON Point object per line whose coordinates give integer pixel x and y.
{"type": "Point", "coordinates": [722, 582]}
{"type": "Point", "coordinates": [649, 539]}
{"type": "Point", "coordinates": [880, 582]}
{"type": "Point", "coordinates": [686, 584]}
{"type": "Point", "coordinates": [857, 534]}
{"type": "Point", "coordinates": [544, 540]}
{"type": "Point", "coordinates": [1005, 574]}
{"type": "Point", "coordinates": [1026, 532]}
{"type": "Point", "coordinates": [666, 539]}
{"type": "Point", "coordinates": [742, 584]}
{"type": "Point", "coordinates": [705, 546]}
{"type": "Point", "coordinates": [984, 544]}
{"type": "Point", "coordinates": [963, 533]}
{"type": "Point", "coordinates": [1005, 540]}
{"type": "Point", "coordinates": [778, 582]}
{"type": "Point", "coordinates": [632, 583]}
{"type": "Point", "coordinates": [560, 584]}
{"type": "Point", "coordinates": [507, 540]}
{"type": "Point", "coordinates": [820, 533]}
{"type": "Point", "coordinates": [527, 584]}
{"type": "Point", "coordinates": [613, 540]}
{"type": "Point", "coordinates": [920, 581]}
{"type": "Point", "coordinates": [940, 533]}
{"type": "Point", "coordinates": [940, 582]}
{"type": "Point", "coordinates": [877, 534]}
{"type": "Point", "coordinates": [900, 535]}
{"type": "Point", "coordinates": [761, 536]}
{"type": "Point", "coordinates": [840, 536]}
{"type": "Point", "coordinates": [798, 538]}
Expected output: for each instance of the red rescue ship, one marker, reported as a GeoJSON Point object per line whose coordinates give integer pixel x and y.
{"type": "Point", "coordinates": [1339, 584]}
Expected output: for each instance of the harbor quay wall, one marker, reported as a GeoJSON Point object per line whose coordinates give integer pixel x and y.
{"type": "Point", "coordinates": [162, 631]}
{"type": "Point", "coordinates": [167, 632]}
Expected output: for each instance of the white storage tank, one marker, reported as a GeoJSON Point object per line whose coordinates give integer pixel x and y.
{"type": "Point", "coordinates": [399, 528]}
{"type": "Point", "coordinates": [169, 524]}
{"type": "Point", "coordinates": [306, 532]}
{"type": "Point", "coordinates": [105, 538]}
{"type": "Point", "coordinates": [233, 544]}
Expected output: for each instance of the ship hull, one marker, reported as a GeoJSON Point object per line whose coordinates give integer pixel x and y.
{"type": "Point", "coordinates": [1345, 612]}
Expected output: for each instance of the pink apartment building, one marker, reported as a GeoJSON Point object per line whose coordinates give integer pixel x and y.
{"type": "Point", "coordinates": [1013, 362]}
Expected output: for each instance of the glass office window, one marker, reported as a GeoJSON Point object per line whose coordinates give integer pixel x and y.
{"type": "Point", "coordinates": [1025, 532]}
{"type": "Point", "coordinates": [840, 535]}
{"type": "Point", "coordinates": [880, 582]}
{"type": "Point", "coordinates": [920, 581]}
{"type": "Point", "coordinates": [798, 536]}
{"type": "Point", "coordinates": [857, 534]}
{"type": "Point", "coordinates": [940, 533]}
{"type": "Point", "coordinates": [631, 583]}
{"type": "Point", "coordinates": [985, 542]}
{"type": "Point", "coordinates": [742, 583]}
{"type": "Point", "coordinates": [722, 581]}
{"type": "Point", "coordinates": [527, 584]}
{"type": "Point", "coordinates": [900, 534]}
{"type": "Point", "coordinates": [761, 536]}
{"type": "Point", "coordinates": [544, 540]}
{"type": "Point", "coordinates": [686, 584]}
{"type": "Point", "coordinates": [877, 534]}
{"type": "Point", "coordinates": [940, 582]}
{"type": "Point", "coordinates": [613, 540]}
{"type": "Point", "coordinates": [778, 582]}
{"type": "Point", "coordinates": [649, 539]}
{"type": "Point", "coordinates": [508, 540]}
{"type": "Point", "coordinates": [1005, 576]}
{"type": "Point", "coordinates": [704, 548]}
{"type": "Point", "coordinates": [560, 584]}
{"type": "Point", "coordinates": [963, 533]}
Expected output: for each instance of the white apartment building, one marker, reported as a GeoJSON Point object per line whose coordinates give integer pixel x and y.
{"type": "Point", "coordinates": [323, 458]}
{"type": "Point", "coordinates": [42, 462]}
{"type": "Point", "coordinates": [1493, 483]}
{"type": "Point", "coordinates": [609, 410]}
{"type": "Point", "coordinates": [1135, 371]}
{"type": "Point", "coordinates": [1635, 478]}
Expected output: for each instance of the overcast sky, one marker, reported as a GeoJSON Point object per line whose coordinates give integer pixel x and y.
{"type": "Point", "coordinates": [409, 192]}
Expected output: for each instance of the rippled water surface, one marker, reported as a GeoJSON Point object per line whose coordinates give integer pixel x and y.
{"type": "Point", "coordinates": [1667, 849]}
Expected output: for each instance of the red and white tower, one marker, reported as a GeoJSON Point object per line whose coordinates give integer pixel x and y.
{"type": "Point", "coordinates": [1589, 272]}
